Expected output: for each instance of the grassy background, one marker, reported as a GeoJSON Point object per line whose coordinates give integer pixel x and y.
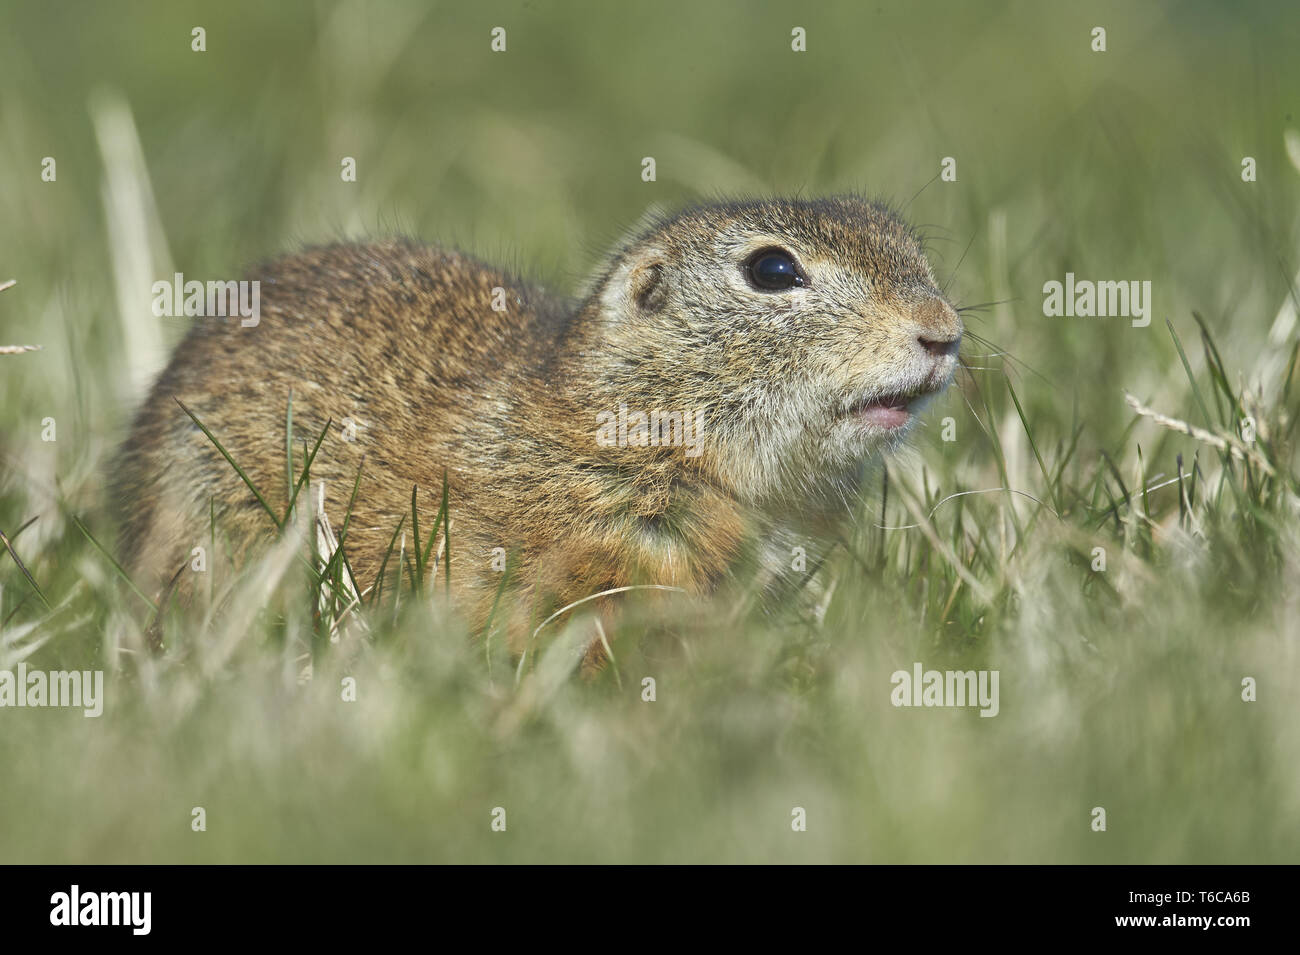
{"type": "Point", "coordinates": [1119, 689]}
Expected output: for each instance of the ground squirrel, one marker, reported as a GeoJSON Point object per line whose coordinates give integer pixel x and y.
{"type": "Point", "coordinates": [718, 387]}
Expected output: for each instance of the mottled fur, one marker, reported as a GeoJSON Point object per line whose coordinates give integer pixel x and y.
{"type": "Point", "coordinates": [402, 339]}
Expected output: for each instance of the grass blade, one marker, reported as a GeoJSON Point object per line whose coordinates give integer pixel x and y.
{"type": "Point", "coordinates": [23, 567]}
{"type": "Point", "coordinates": [1051, 487]}
{"type": "Point", "coordinates": [231, 461]}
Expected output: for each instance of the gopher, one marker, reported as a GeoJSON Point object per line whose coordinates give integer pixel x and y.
{"type": "Point", "coordinates": [715, 392]}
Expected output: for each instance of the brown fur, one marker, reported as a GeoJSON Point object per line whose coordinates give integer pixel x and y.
{"type": "Point", "coordinates": [402, 339]}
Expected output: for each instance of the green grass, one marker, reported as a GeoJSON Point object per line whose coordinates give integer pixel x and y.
{"type": "Point", "coordinates": [1119, 688]}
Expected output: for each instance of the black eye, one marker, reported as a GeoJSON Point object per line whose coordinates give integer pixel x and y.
{"type": "Point", "coordinates": [774, 271]}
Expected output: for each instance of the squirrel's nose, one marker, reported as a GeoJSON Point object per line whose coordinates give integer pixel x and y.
{"type": "Point", "coordinates": [939, 327]}
{"type": "Point", "coordinates": [939, 347]}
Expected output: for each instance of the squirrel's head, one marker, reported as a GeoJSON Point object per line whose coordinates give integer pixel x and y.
{"type": "Point", "coordinates": [809, 332]}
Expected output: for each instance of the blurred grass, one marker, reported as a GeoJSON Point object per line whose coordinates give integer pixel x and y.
{"type": "Point", "coordinates": [1119, 689]}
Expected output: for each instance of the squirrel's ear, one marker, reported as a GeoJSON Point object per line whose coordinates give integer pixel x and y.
{"type": "Point", "coordinates": [647, 285]}
{"type": "Point", "coordinates": [639, 283]}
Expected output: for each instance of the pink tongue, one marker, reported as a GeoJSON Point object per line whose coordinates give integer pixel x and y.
{"type": "Point", "coordinates": [885, 415]}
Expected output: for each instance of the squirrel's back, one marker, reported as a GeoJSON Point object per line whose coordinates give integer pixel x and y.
{"type": "Point", "coordinates": [397, 345]}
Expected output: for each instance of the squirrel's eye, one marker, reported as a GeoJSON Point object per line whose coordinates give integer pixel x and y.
{"type": "Point", "coordinates": [773, 271]}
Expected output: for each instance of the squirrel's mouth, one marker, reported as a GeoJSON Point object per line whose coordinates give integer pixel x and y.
{"type": "Point", "coordinates": [888, 412]}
